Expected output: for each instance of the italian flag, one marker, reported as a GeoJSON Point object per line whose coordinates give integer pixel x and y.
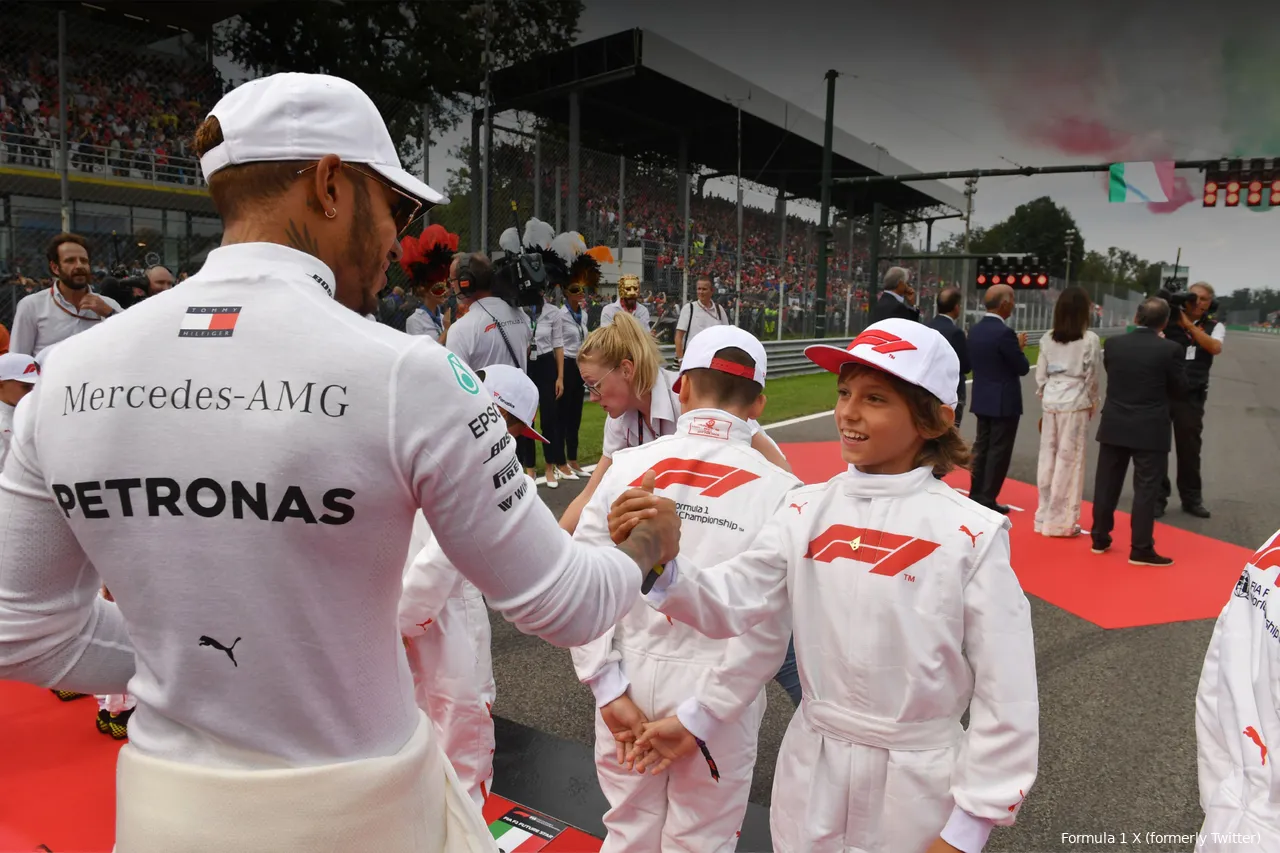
{"type": "Point", "coordinates": [1141, 182]}
{"type": "Point", "coordinates": [513, 839]}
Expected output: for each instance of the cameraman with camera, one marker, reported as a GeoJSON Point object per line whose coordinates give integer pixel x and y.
{"type": "Point", "coordinates": [1201, 337]}
{"type": "Point", "coordinates": [493, 331]}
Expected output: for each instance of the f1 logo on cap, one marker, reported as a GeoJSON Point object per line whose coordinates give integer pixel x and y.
{"type": "Point", "coordinates": [881, 342]}
{"type": "Point", "coordinates": [33, 367]}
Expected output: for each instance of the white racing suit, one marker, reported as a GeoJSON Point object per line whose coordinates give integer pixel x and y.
{"type": "Point", "coordinates": [446, 628]}
{"type": "Point", "coordinates": [725, 492]}
{"type": "Point", "coordinates": [1237, 720]}
{"type": "Point", "coordinates": [906, 612]}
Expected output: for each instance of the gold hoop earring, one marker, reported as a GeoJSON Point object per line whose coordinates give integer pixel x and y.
{"type": "Point", "coordinates": [330, 214]}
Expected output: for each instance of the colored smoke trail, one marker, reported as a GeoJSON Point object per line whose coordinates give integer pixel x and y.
{"type": "Point", "coordinates": [1146, 82]}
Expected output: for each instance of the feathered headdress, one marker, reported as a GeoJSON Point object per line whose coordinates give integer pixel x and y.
{"type": "Point", "coordinates": [426, 259]}
{"type": "Point", "coordinates": [585, 269]}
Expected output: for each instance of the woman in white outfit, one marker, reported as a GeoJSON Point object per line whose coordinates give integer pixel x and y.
{"type": "Point", "coordinates": [1067, 385]}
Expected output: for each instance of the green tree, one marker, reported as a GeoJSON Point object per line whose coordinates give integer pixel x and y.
{"type": "Point", "coordinates": [407, 56]}
{"type": "Point", "coordinates": [1038, 228]}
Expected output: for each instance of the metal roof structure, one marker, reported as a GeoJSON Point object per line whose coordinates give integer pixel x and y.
{"type": "Point", "coordinates": [641, 94]}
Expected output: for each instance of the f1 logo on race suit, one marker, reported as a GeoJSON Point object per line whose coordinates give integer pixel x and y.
{"type": "Point", "coordinates": [715, 480]}
{"type": "Point", "coordinates": [889, 553]}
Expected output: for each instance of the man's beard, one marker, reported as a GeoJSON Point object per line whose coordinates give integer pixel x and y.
{"type": "Point", "coordinates": [362, 249]}
{"type": "Point", "coordinates": [68, 282]}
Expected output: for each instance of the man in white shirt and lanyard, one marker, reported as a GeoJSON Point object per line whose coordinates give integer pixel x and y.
{"type": "Point", "coordinates": [699, 315]}
{"type": "Point", "coordinates": [246, 488]}
{"type": "Point", "coordinates": [47, 317]}
{"type": "Point", "coordinates": [491, 332]}
{"type": "Point", "coordinates": [628, 300]}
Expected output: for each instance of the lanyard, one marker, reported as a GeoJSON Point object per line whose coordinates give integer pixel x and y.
{"type": "Point", "coordinates": [437, 316]}
{"type": "Point", "coordinates": [577, 321]}
{"type": "Point", "coordinates": [640, 426]}
{"type": "Point", "coordinates": [53, 294]}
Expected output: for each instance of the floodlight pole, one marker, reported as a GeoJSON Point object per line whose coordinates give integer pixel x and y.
{"type": "Point", "coordinates": [824, 222]}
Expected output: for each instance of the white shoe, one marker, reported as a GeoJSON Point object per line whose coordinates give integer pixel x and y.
{"type": "Point", "coordinates": [565, 475]}
{"type": "Point", "coordinates": [551, 482]}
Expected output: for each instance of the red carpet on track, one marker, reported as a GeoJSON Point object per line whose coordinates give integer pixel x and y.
{"type": "Point", "coordinates": [1104, 589]}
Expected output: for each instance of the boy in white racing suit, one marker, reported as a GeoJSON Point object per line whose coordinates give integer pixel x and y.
{"type": "Point", "coordinates": [445, 623]}
{"type": "Point", "coordinates": [649, 666]}
{"type": "Point", "coordinates": [1236, 717]}
{"type": "Point", "coordinates": [906, 613]}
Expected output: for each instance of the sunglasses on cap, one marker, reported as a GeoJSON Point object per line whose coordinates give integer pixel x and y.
{"type": "Point", "coordinates": [404, 211]}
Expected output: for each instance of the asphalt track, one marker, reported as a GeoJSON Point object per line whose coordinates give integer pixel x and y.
{"type": "Point", "coordinates": [1117, 748]}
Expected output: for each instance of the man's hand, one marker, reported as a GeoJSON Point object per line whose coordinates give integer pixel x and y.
{"type": "Point", "coordinates": [96, 304]}
{"type": "Point", "coordinates": [1185, 322]}
{"type": "Point", "coordinates": [625, 719]}
{"type": "Point", "coordinates": [1022, 340]}
{"type": "Point", "coordinates": [910, 296]}
{"type": "Point", "coordinates": [940, 846]}
{"type": "Point", "coordinates": [647, 527]}
{"type": "Point", "coordinates": [660, 744]}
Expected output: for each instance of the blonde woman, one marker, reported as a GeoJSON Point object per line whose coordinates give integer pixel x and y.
{"type": "Point", "coordinates": [1067, 384]}
{"type": "Point", "coordinates": [621, 370]}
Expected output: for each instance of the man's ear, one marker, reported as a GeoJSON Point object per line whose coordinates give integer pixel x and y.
{"type": "Point", "coordinates": [686, 391]}
{"type": "Point", "coordinates": [324, 184]}
{"type": "Point", "coordinates": [757, 408]}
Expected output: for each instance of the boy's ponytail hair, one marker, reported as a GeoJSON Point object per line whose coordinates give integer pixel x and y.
{"type": "Point", "coordinates": [625, 338]}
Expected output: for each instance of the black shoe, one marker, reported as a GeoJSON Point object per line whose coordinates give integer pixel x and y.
{"type": "Point", "coordinates": [67, 695]}
{"type": "Point", "coordinates": [1101, 547]}
{"type": "Point", "coordinates": [1148, 558]}
{"type": "Point", "coordinates": [1000, 508]}
{"type": "Point", "coordinates": [104, 721]}
{"type": "Point", "coordinates": [1160, 511]}
{"type": "Point", "coordinates": [1197, 510]}
{"type": "Point", "coordinates": [119, 724]}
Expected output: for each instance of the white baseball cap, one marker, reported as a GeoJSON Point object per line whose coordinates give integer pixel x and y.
{"type": "Point", "coordinates": [701, 353]}
{"type": "Point", "coordinates": [294, 116]}
{"type": "Point", "coordinates": [515, 392]}
{"type": "Point", "coordinates": [911, 351]}
{"type": "Point", "coordinates": [15, 365]}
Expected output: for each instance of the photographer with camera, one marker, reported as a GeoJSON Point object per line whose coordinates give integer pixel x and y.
{"type": "Point", "coordinates": [1201, 337]}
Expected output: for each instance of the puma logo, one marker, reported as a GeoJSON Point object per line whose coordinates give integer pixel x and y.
{"type": "Point", "coordinates": [210, 641]}
{"type": "Point", "coordinates": [799, 508]}
{"type": "Point", "coordinates": [973, 536]}
{"type": "Point", "coordinates": [1252, 734]}
{"type": "Point", "coordinates": [423, 625]}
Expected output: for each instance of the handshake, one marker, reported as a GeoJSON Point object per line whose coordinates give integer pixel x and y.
{"type": "Point", "coordinates": [645, 526]}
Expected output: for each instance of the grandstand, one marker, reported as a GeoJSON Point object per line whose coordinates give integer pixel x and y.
{"type": "Point", "coordinates": [137, 87]}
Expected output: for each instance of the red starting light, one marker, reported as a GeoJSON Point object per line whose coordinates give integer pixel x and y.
{"type": "Point", "coordinates": [1275, 198]}
{"type": "Point", "coordinates": [1233, 199]}
{"type": "Point", "coordinates": [1042, 280]}
{"type": "Point", "coordinates": [1211, 186]}
{"type": "Point", "coordinates": [1233, 187]}
{"type": "Point", "coordinates": [1254, 199]}
{"type": "Point", "coordinates": [1255, 186]}
{"type": "Point", "coordinates": [1026, 279]}
{"type": "Point", "coordinates": [1210, 199]}
{"type": "Point", "coordinates": [982, 279]}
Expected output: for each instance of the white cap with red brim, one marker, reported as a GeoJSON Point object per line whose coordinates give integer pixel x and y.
{"type": "Point", "coordinates": [513, 391]}
{"type": "Point", "coordinates": [701, 354]}
{"type": "Point", "coordinates": [295, 116]}
{"type": "Point", "coordinates": [911, 351]}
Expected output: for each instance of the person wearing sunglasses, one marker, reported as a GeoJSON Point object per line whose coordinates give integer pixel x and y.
{"type": "Point", "coordinates": [241, 466]}
{"type": "Point", "coordinates": [426, 260]}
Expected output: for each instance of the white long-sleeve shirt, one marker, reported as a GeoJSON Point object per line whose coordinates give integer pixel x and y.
{"type": "Point", "coordinates": [1067, 374]}
{"type": "Point", "coordinates": [641, 313]}
{"type": "Point", "coordinates": [240, 458]}
{"type": "Point", "coordinates": [905, 611]}
{"type": "Point", "coordinates": [1238, 710]}
{"type": "Point", "coordinates": [548, 331]}
{"type": "Point", "coordinates": [45, 318]}
{"type": "Point", "coordinates": [478, 340]}
{"type": "Point", "coordinates": [725, 491]}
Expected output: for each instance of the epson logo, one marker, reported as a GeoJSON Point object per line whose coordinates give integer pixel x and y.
{"type": "Point", "coordinates": [480, 424]}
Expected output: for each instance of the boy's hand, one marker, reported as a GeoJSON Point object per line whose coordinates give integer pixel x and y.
{"type": "Point", "coordinates": [662, 742]}
{"type": "Point", "coordinates": [940, 846]}
{"type": "Point", "coordinates": [625, 719]}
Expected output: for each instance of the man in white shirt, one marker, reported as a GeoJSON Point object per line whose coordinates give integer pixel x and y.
{"type": "Point", "coordinates": [491, 332]}
{"type": "Point", "coordinates": [628, 300]}
{"type": "Point", "coordinates": [255, 556]}
{"type": "Point", "coordinates": [699, 315]}
{"type": "Point", "coordinates": [47, 317]}
{"type": "Point", "coordinates": [18, 375]}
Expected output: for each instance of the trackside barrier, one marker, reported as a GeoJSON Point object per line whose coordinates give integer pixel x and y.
{"type": "Point", "coordinates": [786, 358]}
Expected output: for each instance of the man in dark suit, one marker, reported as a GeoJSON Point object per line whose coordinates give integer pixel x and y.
{"type": "Point", "coordinates": [995, 353]}
{"type": "Point", "coordinates": [1144, 373]}
{"type": "Point", "coordinates": [947, 323]}
{"type": "Point", "coordinates": [893, 297]}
